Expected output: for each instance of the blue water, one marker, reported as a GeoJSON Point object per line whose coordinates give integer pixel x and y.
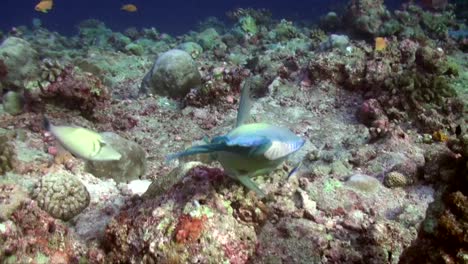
{"type": "Point", "coordinates": [170, 16]}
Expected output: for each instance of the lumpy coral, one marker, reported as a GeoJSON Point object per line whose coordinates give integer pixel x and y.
{"type": "Point", "coordinates": [50, 70]}
{"type": "Point", "coordinates": [61, 194]}
{"type": "Point", "coordinates": [7, 154]}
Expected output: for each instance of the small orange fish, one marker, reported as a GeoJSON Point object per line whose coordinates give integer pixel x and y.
{"type": "Point", "coordinates": [380, 43]}
{"type": "Point", "coordinates": [440, 136]}
{"type": "Point", "coordinates": [44, 6]}
{"type": "Point", "coordinates": [129, 8]}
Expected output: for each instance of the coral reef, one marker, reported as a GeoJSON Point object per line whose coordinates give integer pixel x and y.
{"type": "Point", "coordinates": [77, 90]}
{"type": "Point", "coordinates": [367, 16]}
{"type": "Point", "coordinates": [31, 235]}
{"type": "Point", "coordinates": [61, 194]}
{"type": "Point", "coordinates": [182, 228]}
{"type": "Point", "coordinates": [383, 170]}
{"type": "Point", "coordinates": [408, 81]}
{"type": "Point", "coordinates": [220, 86]}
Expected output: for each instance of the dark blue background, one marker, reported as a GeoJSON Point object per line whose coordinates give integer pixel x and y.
{"type": "Point", "coordinates": [171, 16]}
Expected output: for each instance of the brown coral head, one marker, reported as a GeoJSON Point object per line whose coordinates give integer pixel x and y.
{"type": "Point", "coordinates": [3, 70]}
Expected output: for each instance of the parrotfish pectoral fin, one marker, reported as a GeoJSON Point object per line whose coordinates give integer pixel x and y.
{"type": "Point", "coordinates": [206, 139]}
{"type": "Point", "coordinates": [245, 104]}
{"type": "Point", "coordinates": [248, 182]}
{"type": "Point", "coordinates": [260, 149]}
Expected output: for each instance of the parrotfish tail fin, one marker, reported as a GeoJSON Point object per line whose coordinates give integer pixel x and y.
{"type": "Point", "coordinates": [249, 183]}
{"type": "Point", "coordinates": [196, 150]}
{"type": "Point", "coordinates": [245, 104]}
{"type": "Point", "coordinates": [295, 170]}
{"type": "Point", "coordinates": [46, 123]}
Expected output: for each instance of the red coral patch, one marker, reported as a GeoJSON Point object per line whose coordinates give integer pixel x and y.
{"type": "Point", "coordinates": [189, 228]}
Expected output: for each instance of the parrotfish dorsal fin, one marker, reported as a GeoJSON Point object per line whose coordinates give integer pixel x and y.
{"type": "Point", "coordinates": [245, 104]}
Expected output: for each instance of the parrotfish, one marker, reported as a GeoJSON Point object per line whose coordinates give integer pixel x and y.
{"type": "Point", "coordinates": [82, 142]}
{"type": "Point", "coordinates": [249, 149]}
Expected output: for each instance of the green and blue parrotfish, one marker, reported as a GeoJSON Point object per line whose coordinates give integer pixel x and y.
{"type": "Point", "coordinates": [249, 149]}
{"type": "Point", "coordinates": [82, 142]}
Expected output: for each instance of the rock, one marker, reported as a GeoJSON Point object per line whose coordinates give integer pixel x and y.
{"type": "Point", "coordinates": [11, 196]}
{"type": "Point", "coordinates": [173, 74]}
{"type": "Point", "coordinates": [21, 60]}
{"type": "Point", "coordinates": [363, 182]}
{"type": "Point", "coordinates": [61, 194]}
{"type": "Point", "coordinates": [106, 202]}
{"type": "Point", "coordinates": [13, 103]}
{"type": "Point", "coordinates": [164, 183]}
{"type": "Point", "coordinates": [438, 158]}
{"type": "Point", "coordinates": [289, 242]}
{"type": "Point", "coordinates": [138, 187]}
{"type": "Point", "coordinates": [309, 206]}
{"type": "Point", "coordinates": [131, 166]}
